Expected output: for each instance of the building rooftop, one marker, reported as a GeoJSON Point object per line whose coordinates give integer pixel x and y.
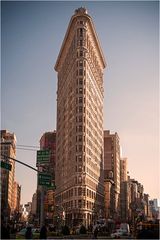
{"type": "Point", "coordinates": [81, 10]}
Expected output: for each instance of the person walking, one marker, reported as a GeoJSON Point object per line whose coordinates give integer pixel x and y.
{"type": "Point", "coordinates": [43, 233]}
{"type": "Point", "coordinates": [5, 231]}
{"type": "Point", "coordinates": [95, 232]}
{"type": "Point", "coordinates": [28, 234]}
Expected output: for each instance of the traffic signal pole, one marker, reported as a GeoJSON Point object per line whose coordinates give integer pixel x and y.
{"type": "Point", "coordinates": [42, 207]}
{"type": "Point", "coordinates": [5, 157]}
{"type": "Point", "coordinates": [43, 180]}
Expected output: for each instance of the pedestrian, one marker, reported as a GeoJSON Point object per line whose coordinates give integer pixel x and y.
{"type": "Point", "coordinates": [28, 233]}
{"type": "Point", "coordinates": [5, 231]}
{"type": "Point", "coordinates": [8, 231]}
{"type": "Point", "coordinates": [95, 232]}
{"type": "Point", "coordinates": [43, 233]}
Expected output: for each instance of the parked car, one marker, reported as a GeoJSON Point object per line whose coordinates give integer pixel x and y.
{"type": "Point", "coordinates": [35, 230]}
{"type": "Point", "coordinates": [119, 233]}
{"type": "Point", "coordinates": [21, 234]}
{"type": "Point", "coordinates": [125, 227]}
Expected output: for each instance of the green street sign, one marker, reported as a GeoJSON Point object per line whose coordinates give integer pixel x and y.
{"type": "Point", "coordinates": [43, 156]}
{"type": "Point", "coordinates": [52, 186]}
{"type": "Point", "coordinates": [44, 179]}
{"type": "Point", "coordinates": [6, 165]}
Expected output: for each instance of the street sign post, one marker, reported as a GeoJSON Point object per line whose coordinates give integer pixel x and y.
{"type": "Point", "coordinates": [52, 187]}
{"type": "Point", "coordinates": [6, 165]}
{"type": "Point", "coordinates": [44, 179]}
{"type": "Point", "coordinates": [43, 156]}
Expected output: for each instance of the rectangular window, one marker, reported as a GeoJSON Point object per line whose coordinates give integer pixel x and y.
{"type": "Point", "coordinates": [84, 192]}
{"type": "Point", "coordinates": [80, 90]}
{"type": "Point", "coordinates": [80, 158]}
{"type": "Point", "coordinates": [80, 109]}
{"type": "Point", "coordinates": [80, 63]}
{"type": "Point", "coordinates": [81, 43]}
{"type": "Point", "coordinates": [81, 32]}
{"type": "Point", "coordinates": [80, 148]}
{"type": "Point", "coordinates": [80, 128]}
{"type": "Point", "coordinates": [80, 72]}
{"type": "Point", "coordinates": [79, 168]}
{"type": "Point", "coordinates": [79, 191]}
{"type": "Point", "coordinates": [80, 118]}
{"type": "Point", "coordinates": [79, 203]}
{"type": "Point", "coordinates": [80, 82]}
{"type": "Point", "coordinates": [75, 191]}
{"type": "Point", "coordinates": [79, 179]}
{"type": "Point", "coordinates": [87, 192]}
{"type": "Point", "coordinates": [80, 100]}
{"type": "Point", "coordinates": [81, 53]}
{"type": "Point", "coordinates": [80, 138]}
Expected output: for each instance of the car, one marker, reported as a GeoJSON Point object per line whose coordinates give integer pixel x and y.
{"type": "Point", "coordinates": [117, 234]}
{"type": "Point", "coordinates": [21, 234]}
{"type": "Point", "coordinates": [125, 227]}
{"type": "Point", "coordinates": [35, 230]}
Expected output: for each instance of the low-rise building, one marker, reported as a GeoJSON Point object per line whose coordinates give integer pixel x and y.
{"type": "Point", "coordinates": [8, 148]}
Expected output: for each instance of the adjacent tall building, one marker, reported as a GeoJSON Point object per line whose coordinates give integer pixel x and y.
{"type": "Point", "coordinates": [48, 142]}
{"type": "Point", "coordinates": [16, 198]}
{"type": "Point", "coordinates": [124, 191]}
{"type": "Point", "coordinates": [8, 148]}
{"type": "Point", "coordinates": [112, 174]}
{"type": "Point", "coordinates": [79, 154]}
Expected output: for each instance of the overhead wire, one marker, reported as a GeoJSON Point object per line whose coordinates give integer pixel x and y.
{"type": "Point", "coordinates": [26, 149]}
{"type": "Point", "coordinates": [27, 146]}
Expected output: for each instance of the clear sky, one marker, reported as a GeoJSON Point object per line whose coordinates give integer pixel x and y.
{"type": "Point", "coordinates": [31, 37]}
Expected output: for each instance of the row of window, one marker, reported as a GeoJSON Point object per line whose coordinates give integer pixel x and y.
{"type": "Point", "coordinates": [92, 173]}
{"type": "Point", "coordinates": [81, 53]}
{"type": "Point", "coordinates": [79, 191]}
{"type": "Point", "coordinates": [80, 109]}
{"type": "Point", "coordinates": [92, 55]}
{"type": "Point", "coordinates": [92, 164]}
{"type": "Point", "coordinates": [67, 64]}
{"type": "Point", "coordinates": [97, 83]}
{"type": "Point", "coordinates": [80, 100]}
{"type": "Point", "coordinates": [79, 168]}
{"type": "Point", "coordinates": [81, 32]}
{"type": "Point", "coordinates": [78, 204]}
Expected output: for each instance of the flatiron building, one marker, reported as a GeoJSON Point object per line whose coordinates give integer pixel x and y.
{"type": "Point", "coordinates": [79, 140]}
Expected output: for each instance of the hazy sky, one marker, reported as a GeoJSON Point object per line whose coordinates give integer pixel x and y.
{"type": "Point", "coordinates": [31, 37]}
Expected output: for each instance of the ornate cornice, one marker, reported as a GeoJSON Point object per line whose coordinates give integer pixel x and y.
{"type": "Point", "coordinates": [81, 12]}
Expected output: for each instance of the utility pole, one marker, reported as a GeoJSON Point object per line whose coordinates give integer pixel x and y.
{"type": "Point", "coordinates": [5, 157]}
{"type": "Point", "coordinates": [42, 207]}
{"type": "Point", "coordinates": [44, 179]}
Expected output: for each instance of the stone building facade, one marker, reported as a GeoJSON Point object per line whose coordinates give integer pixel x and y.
{"type": "Point", "coordinates": [47, 142]}
{"type": "Point", "coordinates": [112, 173]}
{"type": "Point", "coordinates": [79, 162]}
{"type": "Point", "coordinates": [8, 148]}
